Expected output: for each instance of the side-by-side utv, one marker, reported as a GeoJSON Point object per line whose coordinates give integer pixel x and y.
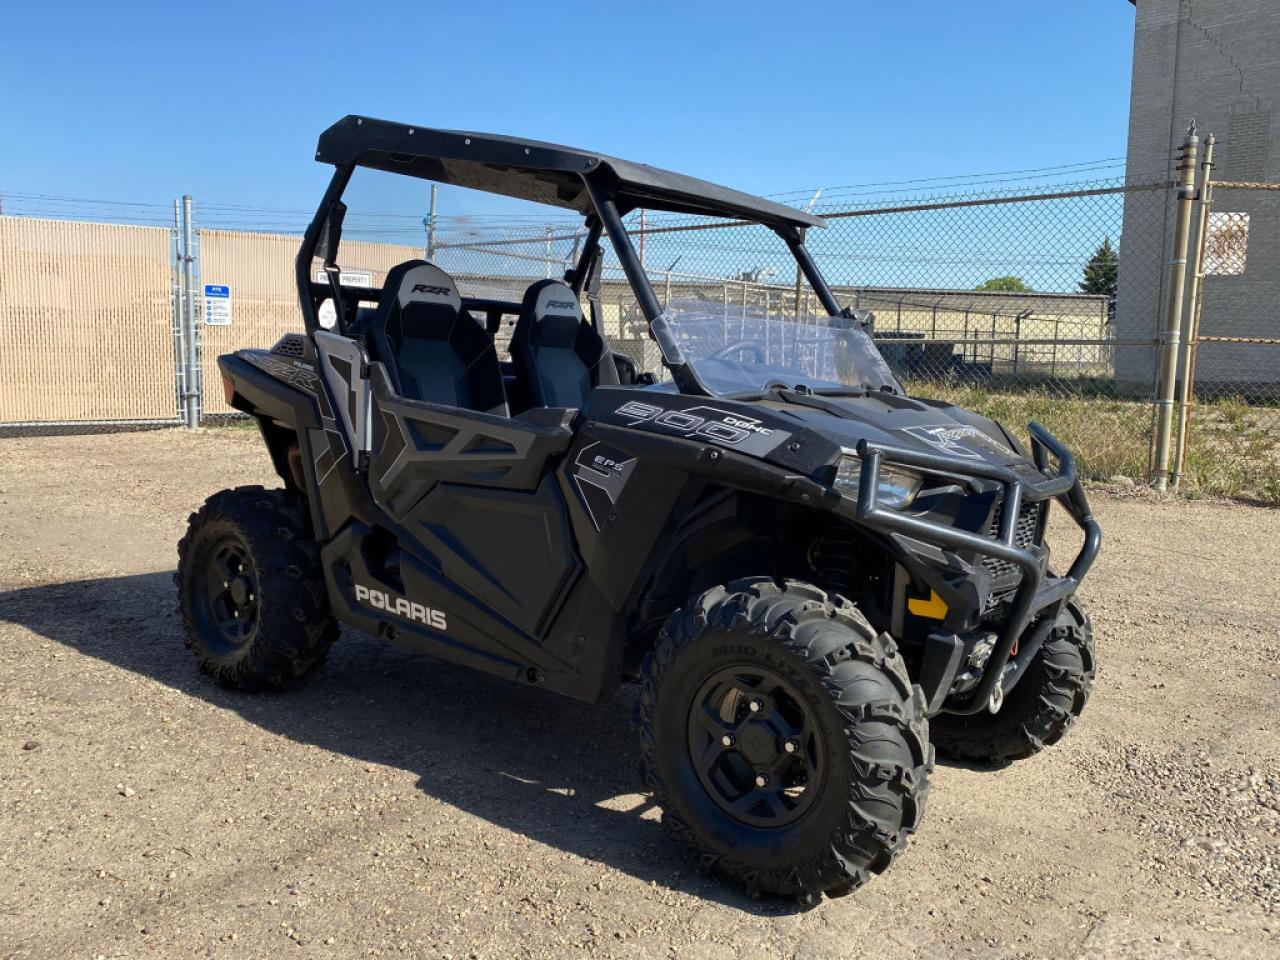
{"type": "Point", "coordinates": [811, 575]}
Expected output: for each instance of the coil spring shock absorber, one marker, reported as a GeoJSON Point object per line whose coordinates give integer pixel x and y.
{"type": "Point", "coordinates": [834, 558]}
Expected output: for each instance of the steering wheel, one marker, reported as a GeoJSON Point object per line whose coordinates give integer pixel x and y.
{"type": "Point", "coordinates": [724, 352]}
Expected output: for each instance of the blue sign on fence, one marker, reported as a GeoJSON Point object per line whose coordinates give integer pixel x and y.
{"type": "Point", "coordinates": [217, 305]}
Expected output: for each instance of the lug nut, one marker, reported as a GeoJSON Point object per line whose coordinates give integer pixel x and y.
{"type": "Point", "coordinates": [762, 779]}
{"type": "Point", "coordinates": [756, 705]}
{"type": "Point", "coordinates": [791, 746]}
{"type": "Point", "coordinates": [727, 740]}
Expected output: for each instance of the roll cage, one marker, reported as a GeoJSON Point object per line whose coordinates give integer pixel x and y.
{"type": "Point", "coordinates": [603, 189]}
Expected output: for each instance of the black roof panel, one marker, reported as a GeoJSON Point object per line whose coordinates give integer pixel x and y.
{"type": "Point", "coordinates": [537, 171]}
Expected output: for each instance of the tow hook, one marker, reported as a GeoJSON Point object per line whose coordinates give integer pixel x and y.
{"type": "Point", "coordinates": [997, 697]}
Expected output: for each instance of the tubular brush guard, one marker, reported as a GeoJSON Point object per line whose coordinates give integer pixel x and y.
{"type": "Point", "coordinates": [1037, 593]}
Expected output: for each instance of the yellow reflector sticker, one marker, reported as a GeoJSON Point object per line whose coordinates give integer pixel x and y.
{"type": "Point", "coordinates": [935, 608]}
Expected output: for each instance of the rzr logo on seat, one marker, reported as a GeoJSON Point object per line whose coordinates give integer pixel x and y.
{"type": "Point", "coordinates": [401, 607]}
{"type": "Point", "coordinates": [428, 288]}
{"type": "Point", "coordinates": [560, 304]}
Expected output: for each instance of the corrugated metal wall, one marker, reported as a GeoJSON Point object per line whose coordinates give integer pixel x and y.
{"type": "Point", "coordinates": [86, 322]}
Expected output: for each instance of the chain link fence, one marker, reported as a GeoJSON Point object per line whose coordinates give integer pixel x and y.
{"type": "Point", "coordinates": [1237, 336]}
{"type": "Point", "coordinates": [87, 328]}
{"type": "Point", "coordinates": [1231, 400]}
{"type": "Point", "coordinates": [257, 270]}
{"type": "Point", "coordinates": [980, 290]}
{"type": "Point", "coordinates": [1046, 305]}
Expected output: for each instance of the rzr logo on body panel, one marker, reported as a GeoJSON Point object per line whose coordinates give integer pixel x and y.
{"type": "Point", "coordinates": [296, 373]}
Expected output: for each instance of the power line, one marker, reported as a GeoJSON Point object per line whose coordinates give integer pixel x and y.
{"type": "Point", "coordinates": [1048, 171]}
{"type": "Point", "coordinates": [109, 203]}
{"type": "Point", "coordinates": [218, 215]}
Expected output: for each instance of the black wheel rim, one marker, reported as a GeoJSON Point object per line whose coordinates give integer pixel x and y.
{"type": "Point", "coordinates": [755, 747]}
{"type": "Point", "coordinates": [229, 603]}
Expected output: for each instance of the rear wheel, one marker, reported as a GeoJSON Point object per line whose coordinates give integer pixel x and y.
{"type": "Point", "coordinates": [1037, 712]}
{"type": "Point", "coordinates": [250, 589]}
{"type": "Point", "coordinates": [783, 738]}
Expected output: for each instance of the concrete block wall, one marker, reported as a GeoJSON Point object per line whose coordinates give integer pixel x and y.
{"type": "Point", "coordinates": [1217, 61]}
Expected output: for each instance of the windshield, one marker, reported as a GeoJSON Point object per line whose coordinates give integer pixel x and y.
{"type": "Point", "coordinates": [740, 350]}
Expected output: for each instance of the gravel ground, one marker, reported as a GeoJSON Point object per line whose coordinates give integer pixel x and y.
{"type": "Point", "coordinates": [395, 805]}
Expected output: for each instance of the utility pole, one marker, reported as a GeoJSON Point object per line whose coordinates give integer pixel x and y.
{"type": "Point", "coordinates": [1186, 385]}
{"type": "Point", "coordinates": [1171, 337]}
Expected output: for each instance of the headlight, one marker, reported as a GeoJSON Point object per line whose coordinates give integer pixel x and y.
{"type": "Point", "coordinates": [898, 487]}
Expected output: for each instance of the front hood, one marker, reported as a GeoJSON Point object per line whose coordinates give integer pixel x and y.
{"type": "Point", "coordinates": [926, 426]}
{"type": "Point", "coordinates": [775, 429]}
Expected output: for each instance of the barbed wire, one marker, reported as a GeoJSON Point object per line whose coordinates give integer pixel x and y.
{"type": "Point", "coordinates": [266, 218]}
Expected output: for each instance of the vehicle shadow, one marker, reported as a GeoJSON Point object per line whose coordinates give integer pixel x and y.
{"type": "Point", "coordinates": [530, 761]}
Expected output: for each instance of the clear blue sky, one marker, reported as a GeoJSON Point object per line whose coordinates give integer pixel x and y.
{"type": "Point", "coordinates": [143, 102]}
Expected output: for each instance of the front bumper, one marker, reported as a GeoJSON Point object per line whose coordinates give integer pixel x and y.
{"type": "Point", "coordinates": [1039, 597]}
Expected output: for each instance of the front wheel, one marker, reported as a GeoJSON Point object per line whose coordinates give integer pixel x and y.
{"type": "Point", "coordinates": [783, 738]}
{"type": "Point", "coordinates": [1039, 710]}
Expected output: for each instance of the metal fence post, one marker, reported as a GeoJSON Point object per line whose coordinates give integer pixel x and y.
{"type": "Point", "coordinates": [431, 224]}
{"type": "Point", "coordinates": [1195, 300]}
{"type": "Point", "coordinates": [642, 237]}
{"type": "Point", "coordinates": [179, 293]}
{"type": "Point", "coordinates": [799, 278]}
{"type": "Point", "coordinates": [192, 371]}
{"type": "Point", "coordinates": [1173, 317]}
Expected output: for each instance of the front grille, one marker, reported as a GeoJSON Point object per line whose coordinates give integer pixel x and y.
{"type": "Point", "coordinates": [1024, 535]}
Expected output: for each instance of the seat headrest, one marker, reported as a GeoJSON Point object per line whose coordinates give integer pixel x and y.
{"type": "Point", "coordinates": [423, 282]}
{"type": "Point", "coordinates": [551, 298]}
{"type": "Point", "coordinates": [554, 314]}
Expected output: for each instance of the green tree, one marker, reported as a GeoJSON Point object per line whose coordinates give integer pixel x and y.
{"type": "Point", "coordinates": [1100, 271]}
{"type": "Point", "coordinates": [1008, 284]}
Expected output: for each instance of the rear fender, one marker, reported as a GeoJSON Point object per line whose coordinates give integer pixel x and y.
{"type": "Point", "coordinates": [284, 399]}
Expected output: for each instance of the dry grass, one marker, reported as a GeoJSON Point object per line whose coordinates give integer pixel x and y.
{"type": "Point", "coordinates": [1234, 448]}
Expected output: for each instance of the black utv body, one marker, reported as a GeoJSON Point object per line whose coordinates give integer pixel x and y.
{"type": "Point", "coordinates": [807, 576]}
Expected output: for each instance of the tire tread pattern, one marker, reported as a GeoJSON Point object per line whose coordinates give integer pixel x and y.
{"type": "Point", "coordinates": [868, 840]}
{"type": "Point", "coordinates": [1061, 676]}
{"type": "Point", "coordinates": [295, 628]}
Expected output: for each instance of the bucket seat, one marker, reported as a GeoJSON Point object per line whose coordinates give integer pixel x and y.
{"type": "Point", "coordinates": [556, 353]}
{"type": "Point", "coordinates": [433, 349]}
